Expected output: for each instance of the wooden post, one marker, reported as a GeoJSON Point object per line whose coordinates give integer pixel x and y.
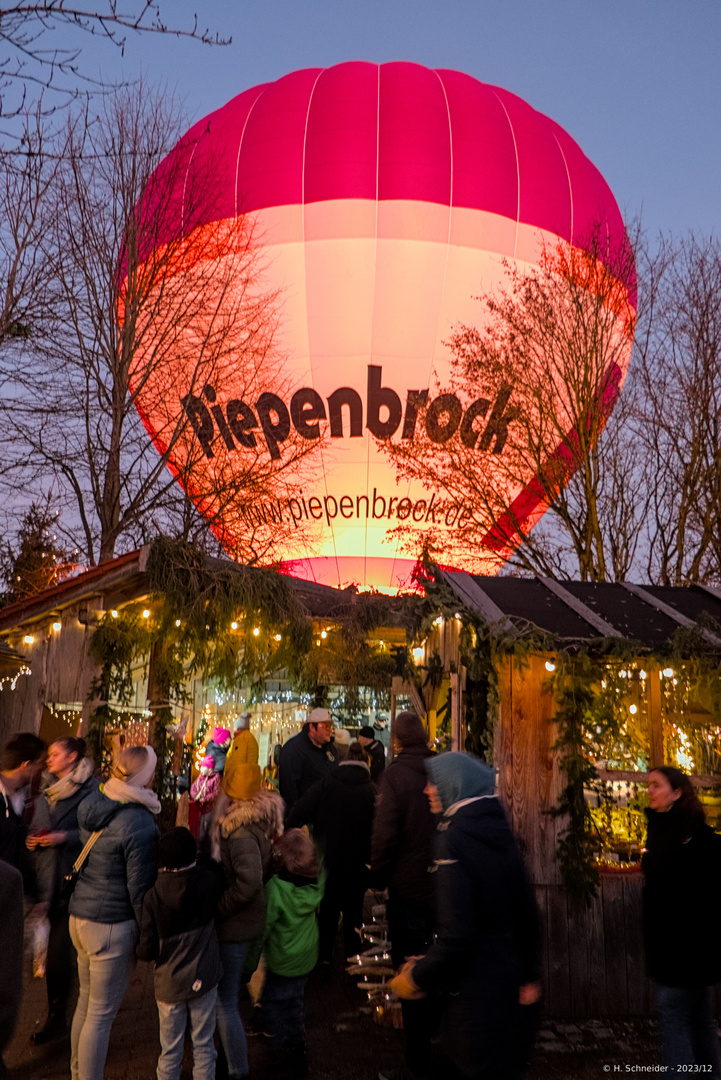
{"type": "Point", "coordinates": [89, 671]}
{"type": "Point", "coordinates": [456, 740]}
{"type": "Point", "coordinates": [159, 706]}
{"type": "Point", "coordinates": [396, 690]}
{"type": "Point", "coordinates": [655, 717]}
{"type": "Point", "coordinates": [400, 688]}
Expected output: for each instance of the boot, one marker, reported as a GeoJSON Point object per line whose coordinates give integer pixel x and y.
{"type": "Point", "coordinates": [296, 1059]}
{"type": "Point", "coordinates": [55, 1027]}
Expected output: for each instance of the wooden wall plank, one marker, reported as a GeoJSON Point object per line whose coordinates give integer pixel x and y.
{"type": "Point", "coordinates": [524, 768]}
{"type": "Point", "coordinates": [639, 1000]}
{"type": "Point", "coordinates": [597, 994]}
{"type": "Point", "coordinates": [578, 966]}
{"type": "Point", "coordinates": [655, 715]}
{"type": "Point", "coordinates": [529, 779]}
{"type": "Point", "coordinates": [614, 945]}
{"type": "Point", "coordinates": [503, 740]}
{"type": "Point", "coordinates": [541, 894]}
{"type": "Point", "coordinates": [549, 778]}
{"type": "Point", "coordinates": [559, 984]}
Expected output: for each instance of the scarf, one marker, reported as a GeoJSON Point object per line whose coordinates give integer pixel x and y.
{"type": "Point", "coordinates": [126, 793]}
{"type": "Point", "coordinates": [68, 785]}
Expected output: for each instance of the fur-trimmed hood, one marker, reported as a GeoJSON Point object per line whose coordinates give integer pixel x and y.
{"type": "Point", "coordinates": [265, 809]}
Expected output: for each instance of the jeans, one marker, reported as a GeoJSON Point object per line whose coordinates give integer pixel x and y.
{"type": "Point", "coordinates": [689, 1034]}
{"type": "Point", "coordinates": [106, 956]}
{"type": "Point", "coordinates": [283, 1006]}
{"type": "Point", "coordinates": [230, 1026]}
{"type": "Point", "coordinates": [172, 1036]}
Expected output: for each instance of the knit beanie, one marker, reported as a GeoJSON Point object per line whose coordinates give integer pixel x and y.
{"type": "Point", "coordinates": [177, 849]}
{"type": "Point", "coordinates": [367, 732]}
{"type": "Point", "coordinates": [243, 720]}
{"type": "Point", "coordinates": [242, 775]}
{"type": "Point", "coordinates": [221, 736]}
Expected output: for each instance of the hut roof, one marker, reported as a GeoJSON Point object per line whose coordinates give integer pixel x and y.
{"type": "Point", "coordinates": [125, 578]}
{"type": "Point", "coordinates": [581, 611]}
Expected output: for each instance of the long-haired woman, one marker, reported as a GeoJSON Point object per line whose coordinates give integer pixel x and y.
{"type": "Point", "coordinates": [55, 838]}
{"type": "Point", "coordinates": [682, 868]}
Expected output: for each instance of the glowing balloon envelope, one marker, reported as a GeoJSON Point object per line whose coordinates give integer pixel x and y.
{"type": "Point", "coordinates": [387, 198]}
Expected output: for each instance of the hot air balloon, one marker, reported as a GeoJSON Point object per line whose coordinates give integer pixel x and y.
{"type": "Point", "coordinates": [386, 198]}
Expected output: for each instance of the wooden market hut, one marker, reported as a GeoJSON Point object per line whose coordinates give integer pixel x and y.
{"type": "Point", "coordinates": [592, 962]}
{"type": "Point", "coordinates": [45, 639]}
{"type": "Point", "coordinates": [593, 958]}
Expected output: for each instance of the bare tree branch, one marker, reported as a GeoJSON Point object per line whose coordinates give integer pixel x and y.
{"type": "Point", "coordinates": [536, 383]}
{"type": "Point", "coordinates": [681, 414]}
{"type": "Point", "coordinates": [152, 307]}
{"type": "Point", "coordinates": [30, 58]}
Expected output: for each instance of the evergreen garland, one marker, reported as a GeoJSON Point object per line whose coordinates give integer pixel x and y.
{"type": "Point", "coordinates": [190, 632]}
{"type": "Point", "coordinates": [574, 849]}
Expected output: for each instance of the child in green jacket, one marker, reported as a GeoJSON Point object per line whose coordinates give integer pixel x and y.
{"type": "Point", "coordinates": [291, 945]}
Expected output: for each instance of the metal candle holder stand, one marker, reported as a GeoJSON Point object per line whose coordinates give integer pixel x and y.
{"type": "Point", "coordinates": [373, 968]}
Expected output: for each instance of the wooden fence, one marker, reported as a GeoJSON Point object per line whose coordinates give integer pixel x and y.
{"type": "Point", "coordinates": [592, 958]}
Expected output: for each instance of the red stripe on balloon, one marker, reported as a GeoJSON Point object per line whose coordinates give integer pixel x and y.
{"type": "Point", "coordinates": [533, 501]}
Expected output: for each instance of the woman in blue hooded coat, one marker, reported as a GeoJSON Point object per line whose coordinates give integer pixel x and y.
{"type": "Point", "coordinates": [483, 965]}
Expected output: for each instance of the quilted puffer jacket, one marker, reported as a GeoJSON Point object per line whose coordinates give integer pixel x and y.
{"type": "Point", "coordinates": [122, 864]}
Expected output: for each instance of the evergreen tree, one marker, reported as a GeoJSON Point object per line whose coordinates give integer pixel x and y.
{"type": "Point", "coordinates": [36, 560]}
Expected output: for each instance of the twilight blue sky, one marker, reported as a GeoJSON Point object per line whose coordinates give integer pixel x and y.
{"type": "Point", "coordinates": [637, 83]}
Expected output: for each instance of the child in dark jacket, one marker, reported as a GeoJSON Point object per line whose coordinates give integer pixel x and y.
{"type": "Point", "coordinates": [178, 933]}
{"type": "Point", "coordinates": [291, 945]}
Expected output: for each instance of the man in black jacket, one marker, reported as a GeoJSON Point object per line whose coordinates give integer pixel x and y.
{"type": "Point", "coordinates": [11, 950]}
{"type": "Point", "coordinates": [21, 761]}
{"type": "Point", "coordinates": [307, 757]}
{"type": "Point", "coordinates": [401, 857]}
{"type": "Point", "coordinates": [375, 750]}
{"type": "Point", "coordinates": [340, 809]}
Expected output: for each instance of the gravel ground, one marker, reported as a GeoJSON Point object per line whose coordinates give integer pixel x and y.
{"type": "Point", "coordinates": [344, 1042]}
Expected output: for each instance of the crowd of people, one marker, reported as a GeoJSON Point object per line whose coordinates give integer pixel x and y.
{"type": "Point", "coordinates": [275, 872]}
